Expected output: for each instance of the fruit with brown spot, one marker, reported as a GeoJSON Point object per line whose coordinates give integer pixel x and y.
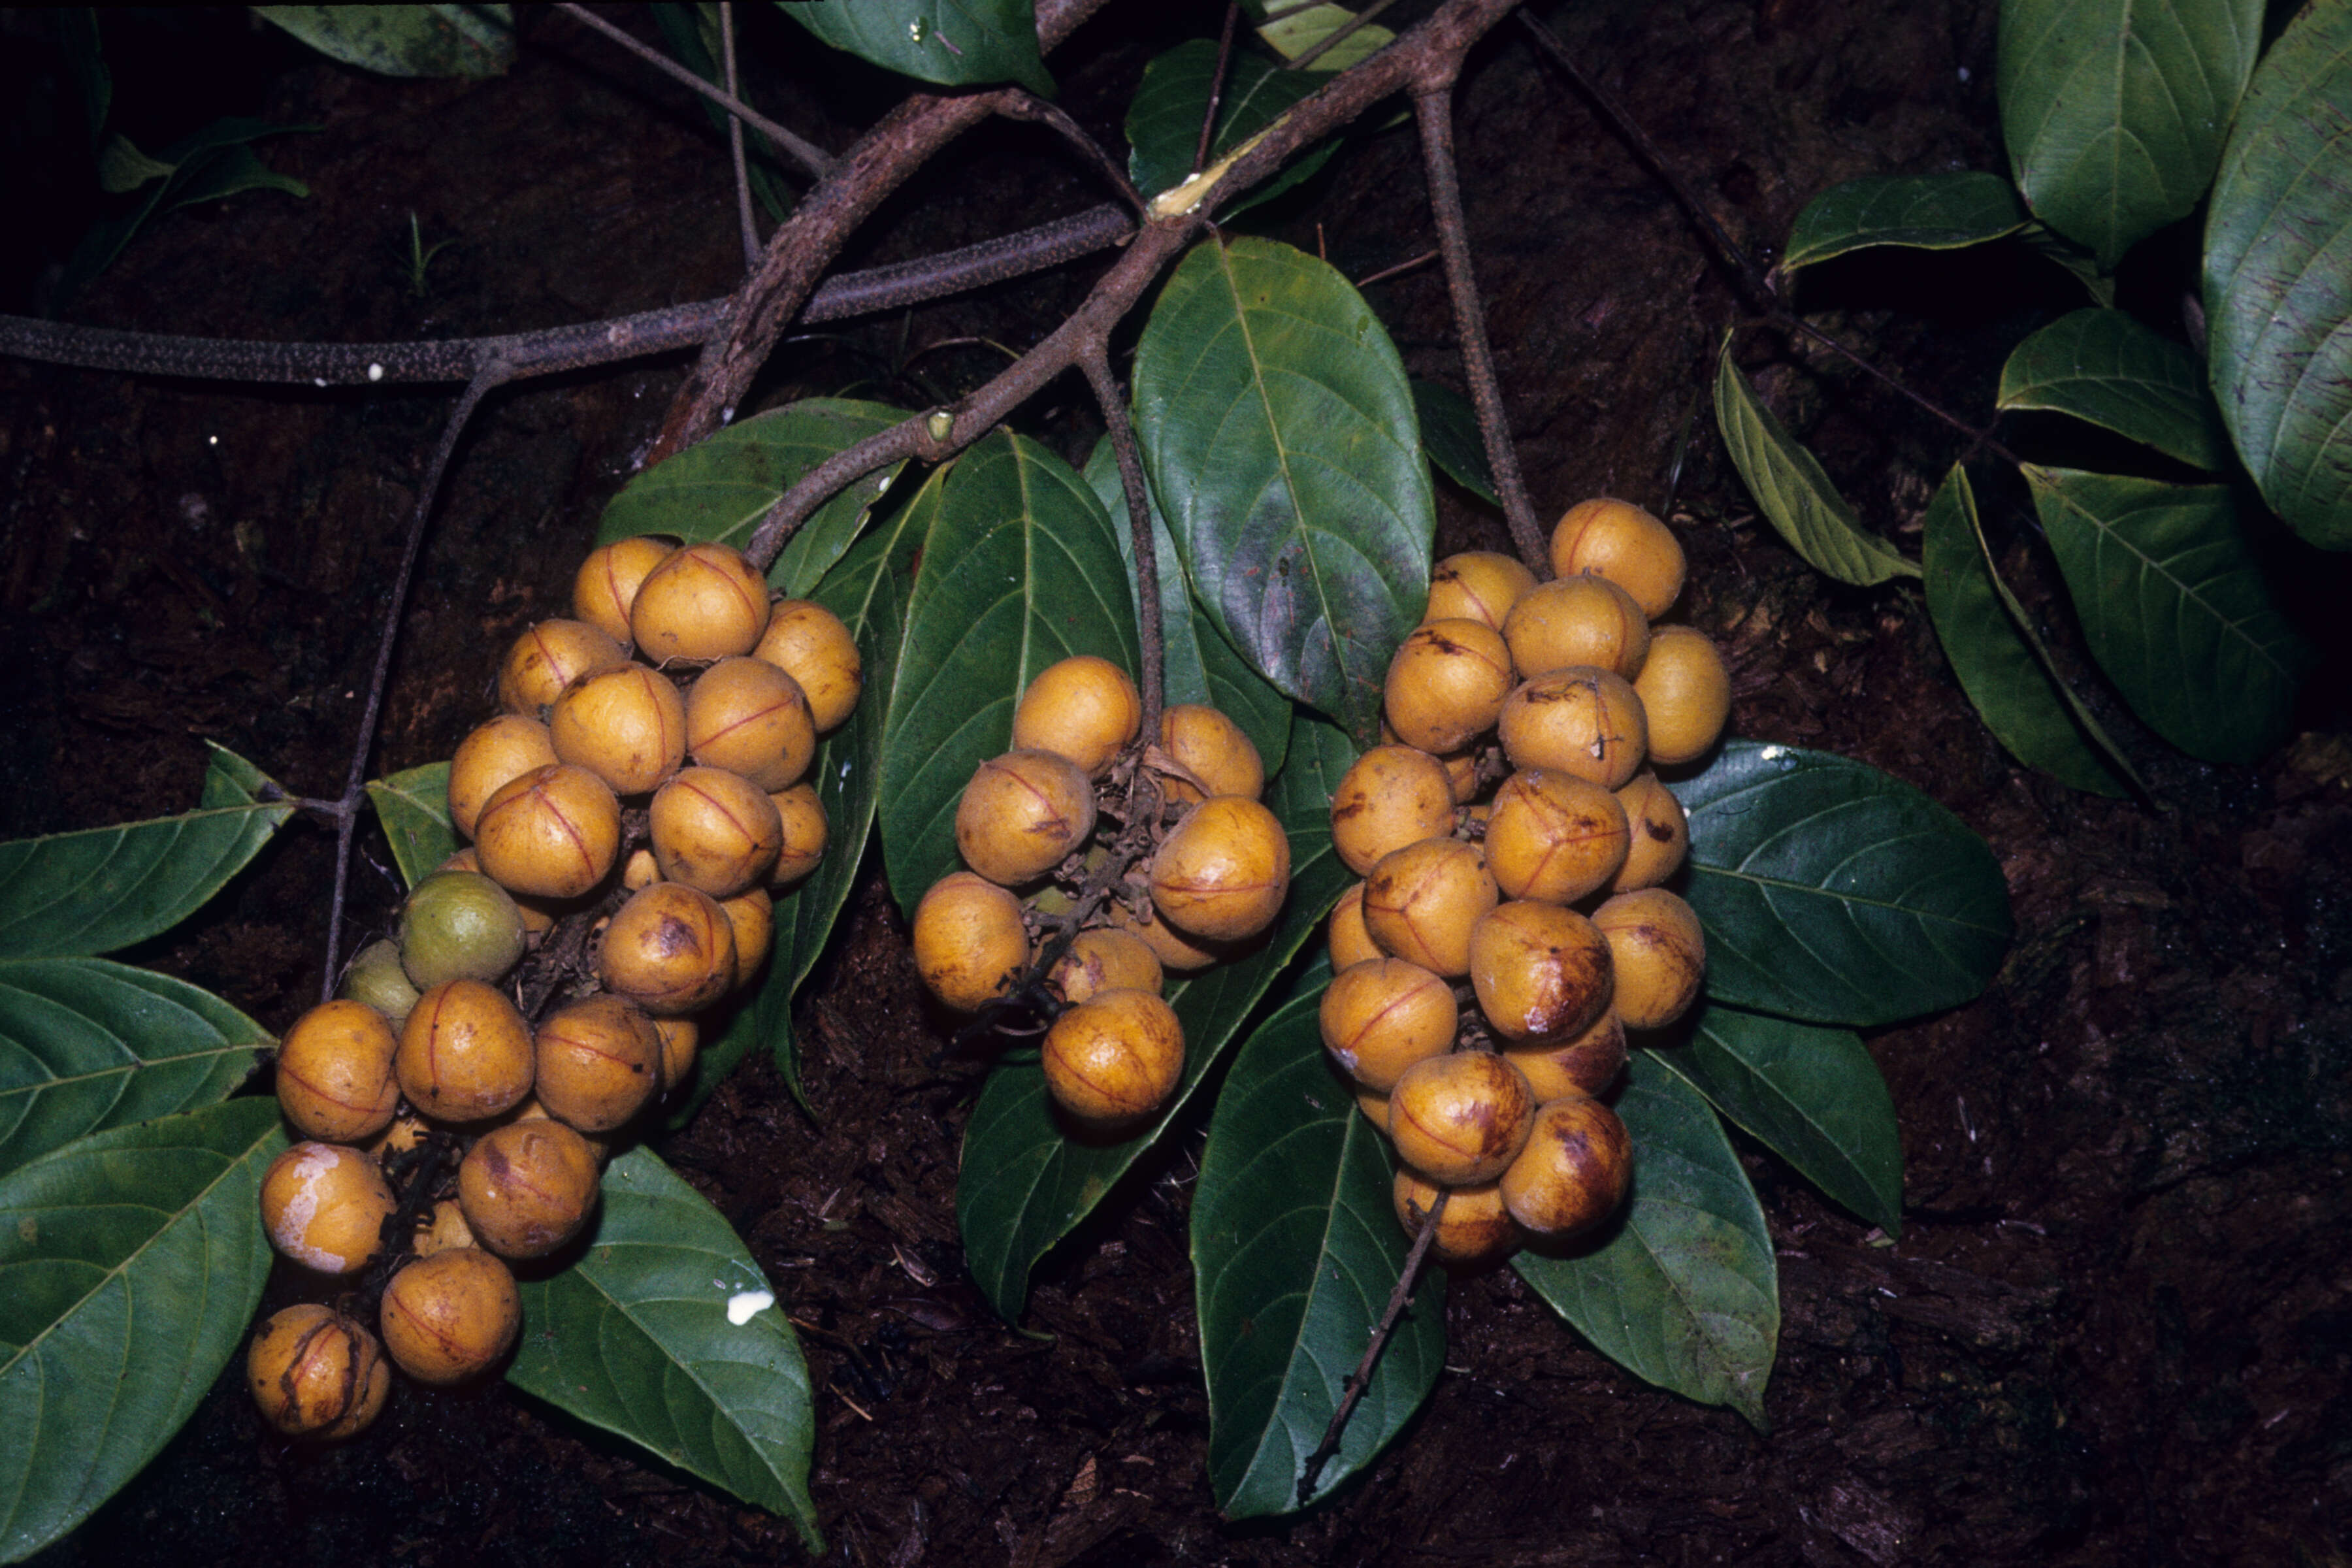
{"type": "Point", "coordinates": [1659, 953]}
{"type": "Point", "coordinates": [599, 1061]}
{"type": "Point", "coordinates": [1422, 901]}
{"type": "Point", "coordinates": [1460, 1118]}
{"type": "Point", "coordinates": [1582, 720]}
{"type": "Point", "coordinates": [1445, 685]}
{"type": "Point", "coordinates": [714, 831]}
{"type": "Point", "coordinates": [527, 1188]}
{"type": "Point", "coordinates": [324, 1206]}
{"type": "Point", "coordinates": [1541, 973]}
{"type": "Point", "coordinates": [1660, 835]}
{"type": "Point", "coordinates": [1476, 1227]}
{"type": "Point", "coordinates": [670, 950]}
{"type": "Point", "coordinates": [1022, 815]}
{"type": "Point", "coordinates": [1477, 585]}
{"type": "Point", "coordinates": [1389, 797]}
{"type": "Point", "coordinates": [1574, 1170]}
{"type": "Point", "coordinates": [969, 945]}
{"type": "Point", "coordinates": [549, 658]}
{"type": "Point", "coordinates": [317, 1373]}
{"type": "Point", "coordinates": [1554, 837]}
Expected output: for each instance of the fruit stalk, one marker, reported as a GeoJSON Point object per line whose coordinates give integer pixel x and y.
{"type": "Point", "coordinates": [1362, 1378]}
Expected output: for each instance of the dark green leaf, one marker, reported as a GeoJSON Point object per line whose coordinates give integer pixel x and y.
{"type": "Point", "coordinates": [2056, 249]}
{"type": "Point", "coordinates": [230, 780]}
{"type": "Point", "coordinates": [1163, 121]}
{"type": "Point", "coordinates": [1792, 490]}
{"type": "Point", "coordinates": [87, 1045]}
{"type": "Point", "coordinates": [2278, 290]}
{"type": "Point", "coordinates": [1836, 894]}
{"type": "Point", "coordinates": [955, 43]}
{"type": "Point", "coordinates": [231, 171]}
{"type": "Point", "coordinates": [2000, 661]}
{"type": "Point", "coordinates": [190, 158]}
{"type": "Point", "coordinates": [1021, 570]}
{"type": "Point", "coordinates": [1295, 1250]}
{"type": "Point", "coordinates": [1450, 436]}
{"type": "Point", "coordinates": [1280, 430]}
{"type": "Point", "coordinates": [1682, 1289]}
{"type": "Point", "coordinates": [2115, 109]}
{"type": "Point", "coordinates": [1918, 211]}
{"type": "Point", "coordinates": [1813, 1096]}
{"type": "Point", "coordinates": [636, 1338]}
{"type": "Point", "coordinates": [123, 168]}
{"type": "Point", "coordinates": [1298, 28]}
{"type": "Point", "coordinates": [414, 807]}
{"type": "Point", "coordinates": [721, 487]}
{"type": "Point", "coordinates": [868, 591]}
{"type": "Point", "coordinates": [2103, 367]}
{"type": "Point", "coordinates": [1197, 665]}
{"type": "Point", "coordinates": [1024, 1184]}
{"type": "Point", "coordinates": [130, 1262]}
{"type": "Point", "coordinates": [2174, 607]}
{"type": "Point", "coordinates": [405, 40]}
{"type": "Point", "coordinates": [78, 893]}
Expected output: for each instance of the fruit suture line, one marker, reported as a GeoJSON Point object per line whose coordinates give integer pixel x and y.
{"type": "Point", "coordinates": [626, 922]}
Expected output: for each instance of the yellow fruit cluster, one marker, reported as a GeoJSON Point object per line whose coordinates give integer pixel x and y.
{"type": "Point", "coordinates": [1509, 836]}
{"type": "Point", "coordinates": [1026, 825]}
{"type": "Point", "coordinates": [710, 727]}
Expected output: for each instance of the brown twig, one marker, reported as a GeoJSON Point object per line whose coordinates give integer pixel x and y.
{"type": "Point", "coordinates": [803, 246]}
{"type": "Point", "coordinates": [1433, 107]}
{"type": "Point", "coordinates": [806, 154]}
{"type": "Point", "coordinates": [1028, 107]}
{"type": "Point", "coordinates": [1216, 88]}
{"type": "Point", "coordinates": [1430, 53]}
{"type": "Point", "coordinates": [1362, 1378]}
{"type": "Point", "coordinates": [735, 139]}
{"type": "Point", "coordinates": [1094, 359]}
{"type": "Point", "coordinates": [355, 781]}
{"type": "Point", "coordinates": [1385, 273]}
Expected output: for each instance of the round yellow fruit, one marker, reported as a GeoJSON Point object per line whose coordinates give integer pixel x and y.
{"type": "Point", "coordinates": [465, 1053]}
{"type": "Point", "coordinates": [1573, 1172]}
{"type": "Point", "coordinates": [670, 950]}
{"type": "Point", "coordinates": [749, 717]}
{"type": "Point", "coordinates": [1111, 1062]}
{"type": "Point", "coordinates": [1384, 1015]}
{"type": "Point", "coordinates": [1083, 708]}
{"type": "Point", "coordinates": [1212, 749]}
{"type": "Point", "coordinates": [1476, 586]}
{"type": "Point", "coordinates": [606, 583]}
{"type": "Point", "coordinates": [1447, 684]}
{"type": "Point", "coordinates": [1619, 540]}
{"type": "Point", "coordinates": [969, 944]}
{"type": "Point", "coordinates": [1224, 871]}
{"type": "Point", "coordinates": [1582, 720]}
{"type": "Point", "coordinates": [702, 604]}
{"type": "Point", "coordinates": [1022, 815]}
{"type": "Point", "coordinates": [1578, 620]}
{"type": "Point", "coordinates": [1542, 973]}
{"type": "Point", "coordinates": [1659, 953]}
{"type": "Point", "coordinates": [451, 1317]}
{"type": "Point", "coordinates": [550, 656]}
{"type": "Point", "coordinates": [1554, 837]}
{"type": "Point", "coordinates": [506, 748]}
{"type": "Point", "coordinates": [714, 831]}
{"type": "Point", "coordinates": [1422, 901]}
{"type": "Point", "coordinates": [324, 1206]}
{"type": "Point", "coordinates": [335, 1081]}
{"type": "Point", "coordinates": [809, 643]}
{"type": "Point", "coordinates": [1390, 797]}
{"type": "Point", "coordinates": [1460, 1118]}
{"type": "Point", "coordinates": [627, 725]}
{"type": "Point", "coordinates": [1686, 690]}
{"type": "Point", "coordinates": [1476, 1227]}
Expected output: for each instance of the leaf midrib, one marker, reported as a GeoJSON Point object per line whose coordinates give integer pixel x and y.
{"type": "Point", "coordinates": [229, 1167]}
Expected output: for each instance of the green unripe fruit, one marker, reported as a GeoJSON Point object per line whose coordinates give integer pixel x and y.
{"type": "Point", "coordinates": [377, 980]}
{"type": "Point", "coordinates": [459, 925]}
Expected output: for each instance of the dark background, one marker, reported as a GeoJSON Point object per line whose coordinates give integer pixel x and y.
{"type": "Point", "coordinates": [2117, 1328]}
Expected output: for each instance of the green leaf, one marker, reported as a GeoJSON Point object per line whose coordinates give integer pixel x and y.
{"type": "Point", "coordinates": [2104, 367]}
{"type": "Point", "coordinates": [1295, 1250]}
{"type": "Point", "coordinates": [955, 43]}
{"type": "Point", "coordinates": [1813, 1096]}
{"type": "Point", "coordinates": [196, 177]}
{"type": "Point", "coordinates": [2278, 278]}
{"type": "Point", "coordinates": [1918, 211]}
{"type": "Point", "coordinates": [1163, 121]}
{"type": "Point", "coordinates": [74, 894]}
{"type": "Point", "coordinates": [868, 591]}
{"type": "Point", "coordinates": [1025, 1184]}
{"type": "Point", "coordinates": [231, 171]}
{"type": "Point", "coordinates": [405, 40]}
{"type": "Point", "coordinates": [2175, 609]}
{"type": "Point", "coordinates": [230, 780]}
{"type": "Point", "coordinates": [2115, 109]}
{"type": "Point", "coordinates": [1197, 664]}
{"type": "Point", "coordinates": [2000, 661]}
{"type": "Point", "coordinates": [86, 1045]}
{"type": "Point", "coordinates": [1280, 430]}
{"type": "Point", "coordinates": [1300, 28]}
{"type": "Point", "coordinates": [2056, 249]}
{"type": "Point", "coordinates": [635, 1338]}
{"type": "Point", "coordinates": [130, 1262]}
{"type": "Point", "coordinates": [414, 807]}
{"type": "Point", "coordinates": [1833, 893]}
{"type": "Point", "coordinates": [1021, 570]}
{"type": "Point", "coordinates": [1451, 438]}
{"type": "Point", "coordinates": [1792, 490]}
{"type": "Point", "coordinates": [721, 488]}
{"type": "Point", "coordinates": [123, 168]}
{"type": "Point", "coordinates": [1683, 1290]}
